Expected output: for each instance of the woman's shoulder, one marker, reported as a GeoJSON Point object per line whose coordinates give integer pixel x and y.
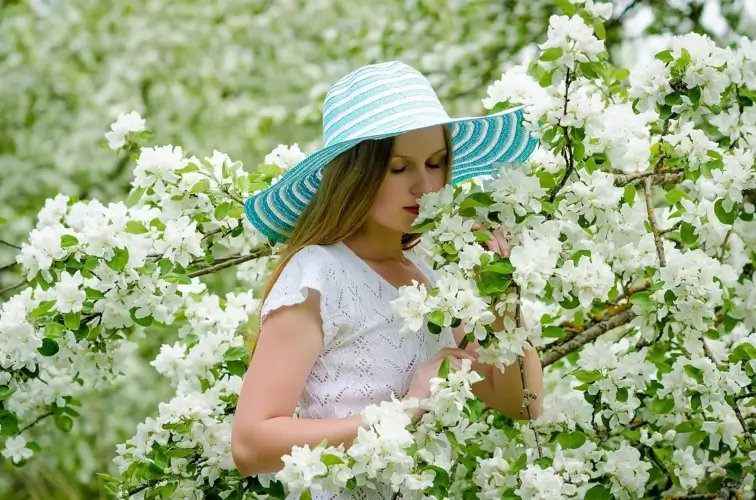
{"type": "Point", "coordinates": [317, 256]}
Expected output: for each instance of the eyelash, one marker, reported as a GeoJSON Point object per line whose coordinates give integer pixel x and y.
{"type": "Point", "coordinates": [430, 165]}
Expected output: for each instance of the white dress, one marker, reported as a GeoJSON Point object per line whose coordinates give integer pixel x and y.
{"type": "Point", "coordinates": [365, 359]}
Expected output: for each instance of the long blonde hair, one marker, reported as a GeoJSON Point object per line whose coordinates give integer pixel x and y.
{"type": "Point", "coordinates": [341, 204]}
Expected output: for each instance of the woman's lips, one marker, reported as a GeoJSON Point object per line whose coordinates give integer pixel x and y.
{"type": "Point", "coordinates": [413, 210]}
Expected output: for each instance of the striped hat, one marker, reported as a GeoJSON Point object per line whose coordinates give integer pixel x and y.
{"type": "Point", "coordinates": [378, 101]}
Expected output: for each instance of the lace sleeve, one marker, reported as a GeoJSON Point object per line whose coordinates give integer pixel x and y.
{"type": "Point", "coordinates": [312, 268]}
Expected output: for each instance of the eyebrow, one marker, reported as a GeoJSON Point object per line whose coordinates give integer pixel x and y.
{"type": "Point", "coordinates": [443, 150]}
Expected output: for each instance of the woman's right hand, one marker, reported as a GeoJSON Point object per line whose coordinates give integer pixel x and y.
{"type": "Point", "coordinates": [420, 384]}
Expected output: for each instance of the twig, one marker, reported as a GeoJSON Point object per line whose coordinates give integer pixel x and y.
{"type": "Point", "coordinates": [675, 227]}
{"type": "Point", "coordinates": [567, 151]}
{"type": "Point", "coordinates": [652, 221]}
{"type": "Point", "coordinates": [38, 420]}
{"type": "Point", "coordinates": [526, 396]}
{"type": "Point", "coordinates": [12, 287]}
{"type": "Point", "coordinates": [10, 244]}
{"type": "Point", "coordinates": [746, 395]}
{"type": "Point", "coordinates": [8, 266]}
{"type": "Point", "coordinates": [551, 356]}
{"type": "Point", "coordinates": [727, 236]}
{"type": "Point", "coordinates": [260, 252]}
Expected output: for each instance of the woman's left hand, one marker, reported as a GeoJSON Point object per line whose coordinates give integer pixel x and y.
{"type": "Point", "coordinates": [498, 242]}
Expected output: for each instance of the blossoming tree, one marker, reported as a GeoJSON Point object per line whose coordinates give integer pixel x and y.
{"type": "Point", "coordinates": [633, 251]}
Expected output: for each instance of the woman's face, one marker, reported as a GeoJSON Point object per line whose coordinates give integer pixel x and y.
{"type": "Point", "coordinates": [417, 166]}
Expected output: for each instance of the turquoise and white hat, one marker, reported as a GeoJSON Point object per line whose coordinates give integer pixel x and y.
{"type": "Point", "coordinates": [384, 100]}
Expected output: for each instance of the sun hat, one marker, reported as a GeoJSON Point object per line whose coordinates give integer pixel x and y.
{"type": "Point", "coordinates": [378, 101]}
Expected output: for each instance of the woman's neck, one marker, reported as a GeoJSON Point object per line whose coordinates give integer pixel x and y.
{"type": "Point", "coordinates": [376, 245]}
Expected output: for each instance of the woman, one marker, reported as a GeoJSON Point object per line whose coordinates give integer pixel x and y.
{"type": "Point", "coordinates": [328, 341]}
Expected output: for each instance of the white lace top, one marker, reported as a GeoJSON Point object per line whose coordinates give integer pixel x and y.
{"type": "Point", "coordinates": [365, 359]}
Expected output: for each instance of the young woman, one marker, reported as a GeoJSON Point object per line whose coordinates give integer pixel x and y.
{"type": "Point", "coordinates": [328, 341]}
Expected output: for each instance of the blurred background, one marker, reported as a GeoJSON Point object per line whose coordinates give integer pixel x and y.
{"type": "Point", "coordinates": [239, 76]}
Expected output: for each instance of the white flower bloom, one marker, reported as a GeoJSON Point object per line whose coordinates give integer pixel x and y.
{"type": "Point", "coordinates": [284, 156]}
{"type": "Point", "coordinates": [125, 124]}
{"type": "Point", "coordinates": [575, 38]}
{"type": "Point", "coordinates": [16, 450]}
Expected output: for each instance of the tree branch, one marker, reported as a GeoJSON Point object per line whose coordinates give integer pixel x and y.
{"type": "Point", "coordinates": [553, 355]}
{"type": "Point", "coordinates": [12, 287]}
{"type": "Point", "coordinates": [567, 151]}
{"type": "Point", "coordinates": [38, 420]}
{"type": "Point", "coordinates": [652, 221]}
{"type": "Point", "coordinates": [259, 252]}
{"type": "Point", "coordinates": [3, 242]}
{"type": "Point", "coordinates": [657, 178]}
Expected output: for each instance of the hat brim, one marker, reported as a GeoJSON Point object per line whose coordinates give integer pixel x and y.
{"type": "Point", "coordinates": [479, 145]}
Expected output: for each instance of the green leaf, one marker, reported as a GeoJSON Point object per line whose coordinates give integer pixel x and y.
{"type": "Point", "coordinates": [136, 227]}
{"type": "Point", "coordinates": [3, 220]}
{"type": "Point", "coordinates": [552, 54]}
{"type": "Point", "coordinates": [235, 353]}
{"type": "Point", "coordinates": [503, 266]}
{"type": "Point", "coordinates": [201, 186]}
{"type": "Point", "coordinates": [55, 330]}
{"type": "Point", "coordinates": [673, 99]}
{"type": "Point", "coordinates": [119, 260]}
{"type": "Point", "coordinates": [546, 179]}
{"type": "Point", "coordinates": [553, 332]}
{"type": "Point", "coordinates": [688, 233]}
{"type": "Point", "coordinates": [68, 240]}
{"type": "Point", "coordinates": [329, 459]}
{"type": "Point", "coordinates": [588, 376]}
{"type": "Point", "coordinates": [436, 317]}
{"type": "Point", "coordinates": [629, 194]}
{"type": "Point", "coordinates": [571, 440]}
{"type": "Point", "coordinates": [621, 74]}
{"type": "Point", "coordinates": [599, 29]}
{"type": "Point", "coordinates": [8, 423]}
{"type": "Point", "coordinates": [177, 278]}
{"type": "Point", "coordinates": [642, 298]}
{"type": "Point", "coordinates": [43, 308]}
{"type": "Point", "coordinates": [477, 200]}
{"type": "Point", "coordinates": [598, 492]}
{"type": "Point", "coordinates": [723, 215]}
{"type": "Point", "coordinates": [665, 56]}
{"type": "Point", "coordinates": [444, 368]}
{"type": "Point", "coordinates": [49, 347]}
{"type": "Point", "coordinates": [622, 394]}
{"type": "Point", "coordinates": [134, 197]}
{"type": "Point", "coordinates": [662, 406]}
{"type": "Point", "coordinates": [72, 320]}
{"type": "Point", "coordinates": [222, 210]}
{"type": "Point", "coordinates": [675, 195]}
{"type": "Point", "coordinates": [5, 392]}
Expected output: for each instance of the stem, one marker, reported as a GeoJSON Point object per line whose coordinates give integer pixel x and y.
{"type": "Point", "coordinates": [567, 151]}
{"type": "Point", "coordinates": [3, 242]}
{"type": "Point", "coordinates": [8, 266]}
{"type": "Point", "coordinates": [553, 355]}
{"type": "Point", "coordinates": [652, 221]}
{"type": "Point", "coordinates": [12, 287]}
{"type": "Point", "coordinates": [526, 396]}
{"type": "Point", "coordinates": [230, 263]}
{"type": "Point", "coordinates": [39, 419]}
{"type": "Point", "coordinates": [727, 236]}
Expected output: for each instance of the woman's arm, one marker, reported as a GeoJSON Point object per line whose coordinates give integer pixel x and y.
{"type": "Point", "coordinates": [264, 430]}
{"type": "Point", "coordinates": [503, 391]}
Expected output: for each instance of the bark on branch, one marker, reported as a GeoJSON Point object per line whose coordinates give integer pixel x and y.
{"type": "Point", "coordinates": [553, 355]}
{"type": "Point", "coordinates": [656, 178]}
